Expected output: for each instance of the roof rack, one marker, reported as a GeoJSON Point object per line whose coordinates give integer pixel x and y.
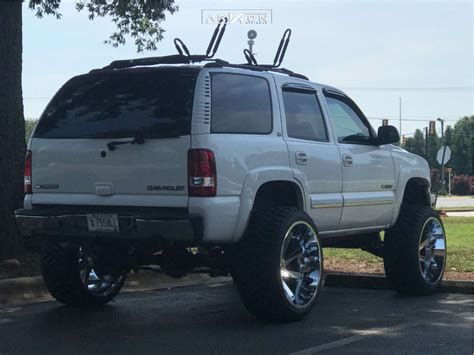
{"type": "Point", "coordinates": [279, 55]}
{"type": "Point", "coordinates": [185, 57]}
{"type": "Point", "coordinates": [168, 59]}
{"type": "Point", "coordinates": [252, 63]}
{"type": "Point", "coordinates": [260, 68]}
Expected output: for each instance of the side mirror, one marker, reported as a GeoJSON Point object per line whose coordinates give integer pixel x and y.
{"type": "Point", "coordinates": [387, 135]}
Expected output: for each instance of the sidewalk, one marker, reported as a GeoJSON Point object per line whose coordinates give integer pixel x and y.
{"type": "Point", "coordinates": [455, 201]}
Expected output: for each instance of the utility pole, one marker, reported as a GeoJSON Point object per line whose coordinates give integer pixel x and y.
{"type": "Point", "coordinates": [444, 152]}
{"type": "Point", "coordinates": [426, 142]}
{"type": "Point", "coordinates": [449, 181]}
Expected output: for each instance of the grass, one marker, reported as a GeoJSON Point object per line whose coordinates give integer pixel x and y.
{"type": "Point", "coordinates": [460, 243]}
{"type": "Point", "coordinates": [460, 246]}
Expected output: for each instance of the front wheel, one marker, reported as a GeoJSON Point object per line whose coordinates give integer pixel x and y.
{"type": "Point", "coordinates": [69, 275]}
{"type": "Point", "coordinates": [279, 264]}
{"type": "Point", "coordinates": [415, 251]}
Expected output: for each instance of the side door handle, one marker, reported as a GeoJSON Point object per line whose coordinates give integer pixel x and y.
{"type": "Point", "coordinates": [301, 158]}
{"type": "Point", "coordinates": [347, 160]}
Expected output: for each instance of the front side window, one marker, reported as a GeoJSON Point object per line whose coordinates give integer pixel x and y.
{"type": "Point", "coordinates": [304, 119]}
{"type": "Point", "coordinates": [240, 104]}
{"type": "Point", "coordinates": [348, 126]}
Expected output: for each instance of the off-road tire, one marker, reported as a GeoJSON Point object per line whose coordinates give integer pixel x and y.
{"type": "Point", "coordinates": [257, 265]}
{"type": "Point", "coordinates": [401, 252]}
{"type": "Point", "coordinates": [60, 270]}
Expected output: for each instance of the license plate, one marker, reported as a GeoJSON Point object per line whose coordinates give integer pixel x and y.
{"type": "Point", "coordinates": [102, 222]}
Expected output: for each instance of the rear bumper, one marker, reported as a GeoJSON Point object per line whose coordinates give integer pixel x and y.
{"type": "Point", "coordinates": [132, 226]}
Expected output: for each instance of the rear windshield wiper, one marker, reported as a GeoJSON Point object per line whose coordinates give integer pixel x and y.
{"type": "Point", "coordinates": [138, 139]}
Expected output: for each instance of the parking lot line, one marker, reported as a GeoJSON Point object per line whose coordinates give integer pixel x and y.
{"type": "Point", "coordinates": [362, 334]}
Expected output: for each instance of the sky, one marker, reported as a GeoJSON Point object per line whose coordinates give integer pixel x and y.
{"type": "Point", "coordinates": [377, 51]}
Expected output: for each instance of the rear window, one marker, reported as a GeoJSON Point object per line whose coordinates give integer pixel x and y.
{"type": "Point", "coordinates": [153, 103]}
{"type": "Point", "coordinates": [240, 104]}
{"type": "Point", "coordinates": [304, 119]}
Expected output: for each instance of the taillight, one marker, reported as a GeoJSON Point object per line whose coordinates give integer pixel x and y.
{"type": "Point", "coordinates": [202, 179]}
{"type": "Point", "coordinates": [28, 171]}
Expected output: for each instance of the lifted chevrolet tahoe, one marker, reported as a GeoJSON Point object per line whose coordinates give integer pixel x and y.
{"type": "Point", "coordinates": [185, 163]}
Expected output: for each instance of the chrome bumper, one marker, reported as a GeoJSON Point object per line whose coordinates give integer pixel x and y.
{"type": "Point", "coordinates": [74, 226]}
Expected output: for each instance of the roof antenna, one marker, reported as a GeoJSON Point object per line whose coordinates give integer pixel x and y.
{"type": "Point", "coordinates": [250, 57]}
{"type": "Point", "coordinates": [280, 54]}
{"type": "Point", "coordinates": [216, 38]}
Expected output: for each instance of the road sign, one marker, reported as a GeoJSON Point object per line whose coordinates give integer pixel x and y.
{"type": "Point", "coordinates": [447, 155]}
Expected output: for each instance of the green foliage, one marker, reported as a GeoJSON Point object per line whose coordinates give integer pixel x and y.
{"type": "Point", "coordinates": [434, 143]}
{"type": "Point", "coordinates": [459, 138]}
{"type": "Point", "coordinates": [419, 144]}
{"type": "Point", "coordinates": [461, 185]}
{"type": "Point", "coordinates": [463, 146]}
{"type": "Point", "coordinates": [137, 19]}
{"type": "Point", "coordinates": [449, 136]}
{"type": "Point", "coordinates": [459, 236]}
{"type": "Point", "coordinates": [30, 124]}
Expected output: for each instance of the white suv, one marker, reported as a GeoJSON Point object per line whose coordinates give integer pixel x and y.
{"type": "Point", "coordinates": [241, 169]}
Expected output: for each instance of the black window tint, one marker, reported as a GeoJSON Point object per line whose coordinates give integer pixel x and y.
{"type": "Point", "coordinates": [304, 119]}
{"type": "Point", "coordinates": [348, 125]}
{"type": "Point", "coordinates": [153, 103]}
{"type": "Point", "coordinates": [240, 104]}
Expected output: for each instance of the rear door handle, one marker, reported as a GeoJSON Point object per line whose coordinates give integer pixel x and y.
{"type": "Point", "coordinates": [301, 158]}
{"type": "Point", "coordinates": [347, 160]}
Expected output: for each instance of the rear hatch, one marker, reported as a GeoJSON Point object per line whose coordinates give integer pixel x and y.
{"type": "Point", "coordinates": [78, 155]}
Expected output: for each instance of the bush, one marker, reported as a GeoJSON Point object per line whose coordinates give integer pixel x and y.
{"type": "Point", "coordinates": [435, 176]}
{"type": "Point", "coordinates": [30, 125]}
{"type": "Point", "coordinates": [461, 185]}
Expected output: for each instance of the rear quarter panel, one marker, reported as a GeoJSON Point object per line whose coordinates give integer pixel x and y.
{"type": "Point", "coordinates": [243, 161]}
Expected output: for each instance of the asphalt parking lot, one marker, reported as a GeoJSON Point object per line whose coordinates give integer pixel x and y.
{"type": "Point", "coordinates": [211, 320]}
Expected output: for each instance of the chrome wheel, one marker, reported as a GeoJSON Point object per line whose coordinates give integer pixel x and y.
{"type": "Point", "coordinates": [300, 264]}
{"type": "Point", "coordinates": [432, 251]}
{"type": "Point", "coordinates": [96, 284]}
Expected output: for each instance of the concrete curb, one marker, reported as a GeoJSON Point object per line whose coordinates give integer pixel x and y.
{"type": "Point", "coordinates": [455, 210]}
{"type": "Point", "coordinates": [379, 282]}
{"type": "Point", "coordinates": [31, 289]}
{"type": "Point", "coordinates": [24, 290]}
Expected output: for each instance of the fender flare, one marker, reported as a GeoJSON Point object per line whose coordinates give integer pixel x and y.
{"type": "Point", "coordinates": [403, 181]}
{"type": "Point", "coordinates": [252, 183]}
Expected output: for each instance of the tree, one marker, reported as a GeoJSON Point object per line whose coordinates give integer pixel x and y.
{"type": "Point", "coordinates": [12, 127]}
{"type": "Point", "coordinates": [460, 139]}
{"type": "Point", "coordinates": [434, 143]}
{"type": "Point", "coordinates": [463, 146]}
{"type": "Point", "coordinates": [139, 20]}
{"type": "Point", "coordinates": [418, 144]}
{"type": "Point", "coordinates": [448, 136]}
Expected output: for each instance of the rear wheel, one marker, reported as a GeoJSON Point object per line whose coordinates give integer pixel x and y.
{"type": "Point", "coordinates": [279, 265]}
{"type": "Point", "coordinates": [69, 275]}
{"type": "Point", "coordinates": [415, 251]}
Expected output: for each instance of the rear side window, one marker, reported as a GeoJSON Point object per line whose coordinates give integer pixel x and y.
{"type": "Point", "coordinates": [240, 104]}
{"type": "Point", "coordinates": [304, 119]}
{"type": "Point", "coordinates": [117, 104]}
